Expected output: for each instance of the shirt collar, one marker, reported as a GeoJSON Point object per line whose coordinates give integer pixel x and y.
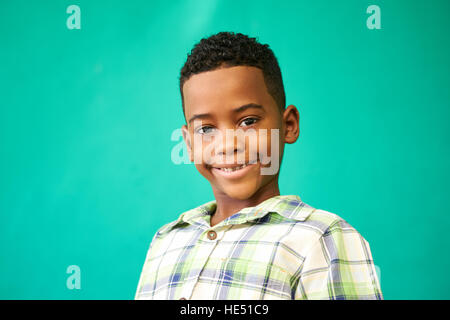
{"type": "Point", "coordinates": [288, 206]}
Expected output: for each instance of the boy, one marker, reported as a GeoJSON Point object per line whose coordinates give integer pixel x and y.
{"type": "Point", "coordinates": [250, 242]}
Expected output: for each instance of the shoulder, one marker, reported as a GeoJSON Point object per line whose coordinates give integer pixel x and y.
{"type": "Point", "coordinates": [168, 226]}
{"type": "Point", "coordinates": [305, 216]}
{"type": "Point", "coordinates": [184, 217]}
{"type": "Point", "coordinates": [316, 219]}
{"type": "Point", "coordinates": [336, 238]}
{"type": "Point", "coordinates": [322, 225]}
{"type": "Point", "coordinates": [324, 221]}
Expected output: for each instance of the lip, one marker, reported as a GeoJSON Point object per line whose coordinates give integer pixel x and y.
{"type": "Point", "coordinates": [233, 174]}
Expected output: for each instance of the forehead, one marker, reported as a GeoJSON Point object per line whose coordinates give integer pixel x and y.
{"type": "Point", "coordinates": [225, 88]}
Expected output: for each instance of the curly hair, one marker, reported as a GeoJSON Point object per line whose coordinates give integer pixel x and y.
{"type": "Point", "coordinates": [229, 49]}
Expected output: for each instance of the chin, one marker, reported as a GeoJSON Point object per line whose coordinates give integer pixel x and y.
{"type": "Point", "coordinates": [239, 193]}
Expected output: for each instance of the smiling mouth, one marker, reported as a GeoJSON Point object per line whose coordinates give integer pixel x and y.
{"type": "Point", "coordinates": [232, 169]}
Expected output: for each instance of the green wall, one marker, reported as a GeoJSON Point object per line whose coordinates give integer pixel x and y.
{"type": "Point", "coordinates": [86, 117]}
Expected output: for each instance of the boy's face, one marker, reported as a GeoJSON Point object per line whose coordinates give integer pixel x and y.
{"type": "Point", "coordinates": [211, 99]}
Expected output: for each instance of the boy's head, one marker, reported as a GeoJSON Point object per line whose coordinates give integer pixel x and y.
{"type": "Point", "coordinates": [227, 49]}
{"type": "Point", "coordinates": [231, 84]}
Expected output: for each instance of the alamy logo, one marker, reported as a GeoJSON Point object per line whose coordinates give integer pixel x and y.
{"type": "Point", "coordinates": [74, 280]}
{"type": "Point", "coordinates": [374, 21]}
{"type": "Point", "coordinates": [74, 20]}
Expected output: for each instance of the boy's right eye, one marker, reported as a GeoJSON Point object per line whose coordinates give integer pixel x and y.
{"type": "Point", "coordinates": [204, 130]}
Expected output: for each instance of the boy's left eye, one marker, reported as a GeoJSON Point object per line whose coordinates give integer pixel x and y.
{"type": "Point", "coordinates": [249, 121]}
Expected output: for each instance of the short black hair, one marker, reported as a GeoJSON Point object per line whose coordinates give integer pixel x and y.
{"type": "Point", "coordinates": [229, 49]}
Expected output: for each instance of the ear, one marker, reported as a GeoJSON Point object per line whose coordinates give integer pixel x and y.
{"type": "Point", "coordinates": [291, 120]}
{"type": "Point", "coordinates": [187, 140]}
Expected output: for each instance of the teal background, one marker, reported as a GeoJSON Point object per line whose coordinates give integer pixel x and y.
{"type": "Point", "coordinates": [86, 117]}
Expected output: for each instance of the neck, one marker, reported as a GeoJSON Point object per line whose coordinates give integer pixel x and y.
{"type": "Point", "coordinates": [227, 206]}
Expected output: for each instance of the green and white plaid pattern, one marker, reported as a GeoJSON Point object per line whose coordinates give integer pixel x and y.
{"type": "Point", "coordinates": [279, 249]}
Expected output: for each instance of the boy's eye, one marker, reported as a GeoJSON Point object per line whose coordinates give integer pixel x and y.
{"type": "Point", "coordinates": [249, 121]}
{"type": "Point", "coordinates": [208, 129]}
{"type": "Point", "coordinates": [204, 130]}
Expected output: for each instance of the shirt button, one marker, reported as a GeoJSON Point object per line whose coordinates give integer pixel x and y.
{"type": "Point", "coordinates": [212, 235]}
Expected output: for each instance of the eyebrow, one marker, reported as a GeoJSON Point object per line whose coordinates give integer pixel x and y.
{"type": "Point", "coordinates": [237, 110]}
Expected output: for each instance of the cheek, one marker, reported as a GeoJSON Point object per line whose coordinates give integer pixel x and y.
{"type": "Point", "coordinates": [269, 145]}
{"type": "Point", "coordinates": [202, 170]}
{"type": "Point", "coordinates": [202, 150]}
{"type": "Point", "coordinates": [264, 142]}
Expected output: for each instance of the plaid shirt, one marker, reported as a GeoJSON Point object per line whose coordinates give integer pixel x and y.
{"type": "Point", "coordinates": [279, 249]}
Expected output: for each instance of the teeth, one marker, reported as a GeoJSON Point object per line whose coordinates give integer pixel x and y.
{"type": "Point", "coordinates": [233, 169]}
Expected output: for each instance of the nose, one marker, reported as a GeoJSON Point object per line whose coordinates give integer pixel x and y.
{"type": "Point", "coordinates": [228, 144]}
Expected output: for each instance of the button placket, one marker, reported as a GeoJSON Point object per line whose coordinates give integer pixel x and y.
{"type": "Point", "coordinates": [218, 236]}
{"type": "Point", "coordinates": [205, 253]}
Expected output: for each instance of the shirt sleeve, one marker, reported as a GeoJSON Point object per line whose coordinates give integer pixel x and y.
{"type": "Point", "coordinates": [141, 277]}
{"type": "Point", "coordinates": [144, 275]}
{"type": "Point", "coordinates": [339, 266]}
